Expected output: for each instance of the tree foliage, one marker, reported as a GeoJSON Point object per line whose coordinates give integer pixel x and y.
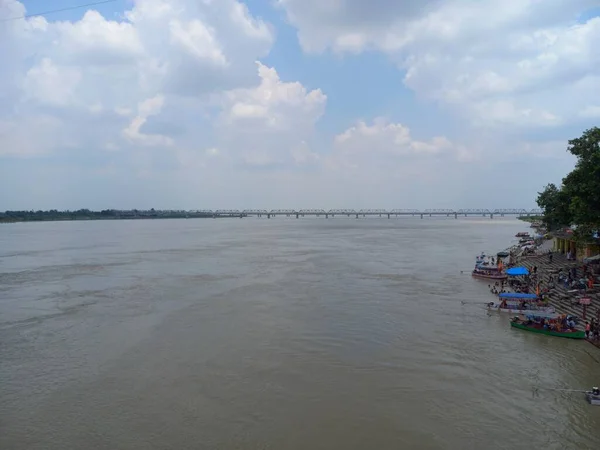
{"type": "Point", "coordinates": [577, 201]}
{"type": "Point", "coordinates": [555, 204]}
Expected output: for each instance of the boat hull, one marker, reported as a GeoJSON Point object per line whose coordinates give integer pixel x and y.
{"type": "Point", "coordinates": [592, 399]}
{"type": "Point", "coordinates": [547, 313]}
{"type": "Point", "coordinates": [569, 334]}
{"type": "Point", "coordinates": [483, 276]}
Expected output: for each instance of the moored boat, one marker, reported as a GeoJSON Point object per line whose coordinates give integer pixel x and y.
{"type": "Point", "coordinates": [545, 312]}
{"type": "Point", "coordinates": [489, 274]}
{"type": "Point", "coordinates": [593, 396]}
{"type": "Point", "coordinates": [522, 234]}
{"type": "Point", "coordinates": [523, 303]}
{"type": "Point", "coordinates": [534, 327]}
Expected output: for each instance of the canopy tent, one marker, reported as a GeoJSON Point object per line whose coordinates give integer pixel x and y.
{"type": "Point", "coordinates": [517, 271]}
{"type": "Point", "coordinates": [592, 259]}
{"type": "Point", "coordinates": [517, 295]}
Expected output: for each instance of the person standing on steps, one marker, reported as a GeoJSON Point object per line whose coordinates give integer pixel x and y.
{"type": "Point", "coordinates": [587, 329]}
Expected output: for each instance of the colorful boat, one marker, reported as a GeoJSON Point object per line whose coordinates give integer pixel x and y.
{"type": "Point", "coordinates": [488, 274]}
{"type": "Point", "coordinates": [521, 303]}
{"type": "Point", "coordinates": [536, 328]}
{"type": "Point", "coordinates": [547, 312]}
{"type": "Point", "coordinates": [487, 266]}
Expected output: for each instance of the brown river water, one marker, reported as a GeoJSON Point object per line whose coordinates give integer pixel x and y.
{"type": "Point", "coordinates": [275, 334]}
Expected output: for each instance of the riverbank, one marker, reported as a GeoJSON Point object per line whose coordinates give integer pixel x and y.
{"type": "Point", "coordinates": [565, 300]}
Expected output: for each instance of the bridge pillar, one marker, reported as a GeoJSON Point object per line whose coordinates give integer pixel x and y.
{"type": "Point", "coordinates": [214, 216]}
{"type": "Point", "coordinates": [241, 215]}
{"type": "Point", "coordinates": [268, 216]}
{"type": "Point", "coordinates": [501, 215]}
{"type": "Point", "coordinates": [455, 216]}
{"type": "Point", "coordinates": [429, 215]}
{"type": "Point", "coordinates": [421, 216]}
{"type": "Point", "coordinates": [326, 216]}
{"type": "Point", "coordinates": [465, 215]}
{"type": "Point", "coordinates": [297, 215]}
{"type": "Point", "coordinates": [388, 216]}
{"type": "Point", "coordinates": [357, 216]}
{"type": "Point", "coordinates": [491, 215]}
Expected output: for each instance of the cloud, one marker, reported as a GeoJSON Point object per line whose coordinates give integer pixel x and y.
{"type": "Point", "coordinates": [73, 77]}
{"type": "Point", "coordinates": [147, 108]}
{"type": "Point", "coordinates": [385, 147]}
{"type": "Point", "coordinates": [499, 62]}
{"type": "Point", "coordinates": [178, 103]}
{"type": "Point", "coordinates": [268, 124]}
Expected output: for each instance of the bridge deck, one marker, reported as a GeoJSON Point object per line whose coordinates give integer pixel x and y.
{"type": "Point", "coordinates": [372, 212]}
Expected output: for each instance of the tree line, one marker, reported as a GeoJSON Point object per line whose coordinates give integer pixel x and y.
{"type": "Point", "coordinates": [577, 200]}
{"type": "Point", "coordinates": [86, 214]}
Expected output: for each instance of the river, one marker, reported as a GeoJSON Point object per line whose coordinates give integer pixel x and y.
{"type": "Point", "coordinates": [275, 334]}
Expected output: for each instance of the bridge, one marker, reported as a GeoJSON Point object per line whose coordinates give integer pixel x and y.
{"type": "Point", "coordinates": [297, 213]}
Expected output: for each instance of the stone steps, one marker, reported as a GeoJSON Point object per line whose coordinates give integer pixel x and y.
{"type": "Point", "coordinates": [559, 297]}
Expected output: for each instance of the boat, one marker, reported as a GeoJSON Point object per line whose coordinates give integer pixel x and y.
{"type": "Point", "coordinates": [487, 266]}
{"type": "Point", "coordinates": [522, 234]}
{"type": "Point", "coordinates": [537, 328]}
{"type": "Point", "coordinates": [546, 312]}
{"type": "Point", "coordinates": [489, 274]}
{"type": "Point", "coordinates": [522, 303]}
{"type": "Point", "coordinates": [502, 254]}
{"type": "Point", "coordinates": [593, 396]}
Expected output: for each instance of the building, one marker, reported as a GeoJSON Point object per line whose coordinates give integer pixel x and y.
{"type": "Point", "coordinates": [564, 242]}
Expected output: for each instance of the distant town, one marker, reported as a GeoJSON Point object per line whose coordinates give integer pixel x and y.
{"type": "Point", "coordinates": [116, 214]}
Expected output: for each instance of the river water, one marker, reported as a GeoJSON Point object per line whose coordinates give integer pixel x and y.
{"type": "Point", "coordinates": [274, 334]}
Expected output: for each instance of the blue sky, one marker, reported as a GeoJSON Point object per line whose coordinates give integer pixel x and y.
{"type": "Point", "coordinates": [286, 103]}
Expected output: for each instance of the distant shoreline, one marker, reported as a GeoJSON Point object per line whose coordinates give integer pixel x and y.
{"type": "Point", "coordinates": [86, 215]}
{"type": "Point", "coordinates": [84, 218]}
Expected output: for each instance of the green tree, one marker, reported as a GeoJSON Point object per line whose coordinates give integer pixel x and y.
{"type": "Point", "coordinates": [577, 201]}
{"type": "Point", "coordinates": [583, 183]}
{"type": "Point", "coordinates": [555, 204]}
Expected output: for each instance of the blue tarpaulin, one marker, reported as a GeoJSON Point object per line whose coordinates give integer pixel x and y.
{"type": "Point", "coordinates": [516, 295]}
{"type": "Point", "coordinates": [517, 271]}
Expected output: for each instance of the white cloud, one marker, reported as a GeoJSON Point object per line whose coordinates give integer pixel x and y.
{"type": "Point", "coordinates": [390, 147]}
{"type": "Point", "coordinates": [173, 99]}
{"type": "Point", "coordinates": [94, 70]}
{"type": "Point", "coordinates": [268, 124]}
{"type": "Point", "coordinates": [198, 40]}
{"type": "Point", "coordinates": [50, 84]}
{"type": "Point", "coordinates": [147, 108]}
{"type": "Point", "coordinates": [523, 60]}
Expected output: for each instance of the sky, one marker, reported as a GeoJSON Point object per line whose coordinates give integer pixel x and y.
{"type": "Point", "coordinates": [216, 104]}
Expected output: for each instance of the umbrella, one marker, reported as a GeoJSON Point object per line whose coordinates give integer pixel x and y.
{"type": "Point", "coordinates": [517, 271]}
